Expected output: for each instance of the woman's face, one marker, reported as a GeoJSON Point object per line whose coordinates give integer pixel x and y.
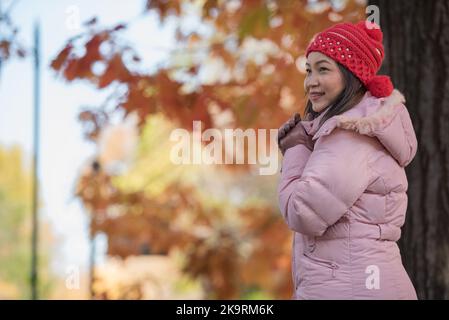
{"type": "Point", "coordinates": [324, 81]}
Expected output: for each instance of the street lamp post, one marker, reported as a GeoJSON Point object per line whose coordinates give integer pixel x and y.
{"type": "Point", "coordinates": [35, 202]}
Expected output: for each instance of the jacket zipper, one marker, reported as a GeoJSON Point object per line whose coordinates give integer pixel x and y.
{"type": "Point", "coordinates": [324, 263]}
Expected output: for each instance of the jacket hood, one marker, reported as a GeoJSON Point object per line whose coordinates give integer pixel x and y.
{"type": "Point", "coordinates": [387, 119]}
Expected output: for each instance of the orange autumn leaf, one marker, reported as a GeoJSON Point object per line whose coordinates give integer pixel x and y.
{"type": "Point", "coordinates": [58, 62]}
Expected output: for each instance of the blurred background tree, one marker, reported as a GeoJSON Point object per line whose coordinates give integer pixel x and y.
{"type": "Point", "coordinates": [15, 237]}
{"type": "Point", "coordinates": [417, 46]}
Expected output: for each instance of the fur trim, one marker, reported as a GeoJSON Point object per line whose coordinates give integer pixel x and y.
{"type": "Point", "coordinates": [375, 121]}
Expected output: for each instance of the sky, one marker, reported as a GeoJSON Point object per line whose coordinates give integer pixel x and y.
{"type": "Point", "coordinates": [63, 150]}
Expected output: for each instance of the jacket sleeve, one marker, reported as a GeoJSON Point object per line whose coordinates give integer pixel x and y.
{"type": "Point", "coordinates": [293, 164]}
{"type": "Point", "coordinates": [334, 177]}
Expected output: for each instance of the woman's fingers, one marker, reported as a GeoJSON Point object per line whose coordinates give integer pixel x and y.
{"type": "Point", "coordinates": [281, 133]}
{"type": "Point", "coordinates": [285, 128]}
{"type": "Point", "coordinates": [294, 120]}
{"type": "Point", "coordinates": [297, 118]}
{"type": "Point", "coordinates": [288, 126]}
{"type": "Point", "coordinates": [291, 124]}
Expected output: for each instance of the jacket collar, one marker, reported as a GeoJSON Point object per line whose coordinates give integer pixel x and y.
{"type": "Point", "coordinates": [364, 117]}
{"type": "Point", "coordinates": [386, 119]}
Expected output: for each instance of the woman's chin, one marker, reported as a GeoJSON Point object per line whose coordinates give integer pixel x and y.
{"type": "Point", "coordinates": [318, 107]}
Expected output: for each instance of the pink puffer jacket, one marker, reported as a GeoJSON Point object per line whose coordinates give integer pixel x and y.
{"type": "Point", "coordinates": [346, 202]}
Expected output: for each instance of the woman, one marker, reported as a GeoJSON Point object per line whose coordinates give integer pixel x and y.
{"type": "Point", "coordinates": [343, 184]}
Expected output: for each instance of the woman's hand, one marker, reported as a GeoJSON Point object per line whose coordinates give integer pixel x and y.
{"type": "Point", "coordinates": [293, 133]}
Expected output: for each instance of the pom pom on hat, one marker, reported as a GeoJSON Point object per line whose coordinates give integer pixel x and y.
{"type": "Point", "coordinates": [371, 29]}
{"type": "Point", "coordinates": [380, 86]}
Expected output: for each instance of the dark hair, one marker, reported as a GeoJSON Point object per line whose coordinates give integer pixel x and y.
{"type": "Point", "coordinates": [348, 98]}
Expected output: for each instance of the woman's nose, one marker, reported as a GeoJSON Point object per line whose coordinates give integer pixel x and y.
{"type": "Point", "coordinates": [310, 82]}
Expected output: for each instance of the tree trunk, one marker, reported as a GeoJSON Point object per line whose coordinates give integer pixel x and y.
{"type": "Point", "coordinates": [416, 40]}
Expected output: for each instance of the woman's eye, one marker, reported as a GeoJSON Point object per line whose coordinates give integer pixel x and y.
{"type": "Point", "coordinates": [323, 69]}
{"type": "Point", "coordinates": [308, 70]}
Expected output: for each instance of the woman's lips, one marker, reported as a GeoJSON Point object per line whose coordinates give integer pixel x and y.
{"type": "Point", "coordinates": [315, 96]}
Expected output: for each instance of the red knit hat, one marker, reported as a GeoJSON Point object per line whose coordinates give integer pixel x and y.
{"type": "Point", "coordinates": [359, 48]}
